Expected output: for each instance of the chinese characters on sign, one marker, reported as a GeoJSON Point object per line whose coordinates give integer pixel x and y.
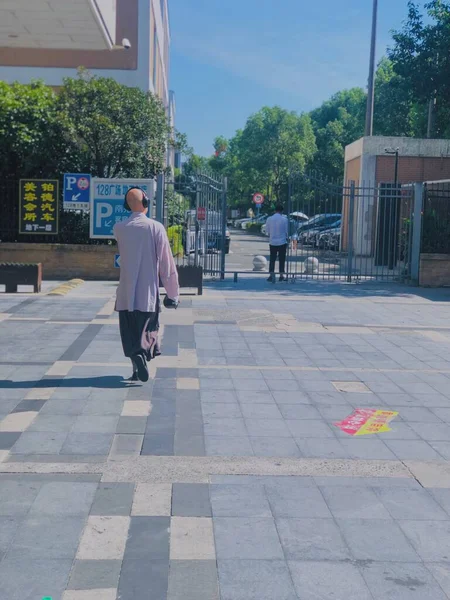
{"type": "Point", "coordinates": [107, 198]}
{"type": "Point", "coordinates": [38, 206]}
{"type": "Point", "coordinates": [365, 421]}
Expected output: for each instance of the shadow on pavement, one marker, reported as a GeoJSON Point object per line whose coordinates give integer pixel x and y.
{"type": "Point", "coordinates": [107, 382]}
{"type": "Point", "coordinates": [305, 287]}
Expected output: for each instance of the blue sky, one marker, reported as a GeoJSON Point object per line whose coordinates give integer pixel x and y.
{"type": "Point", "coordinates": [231, 57]}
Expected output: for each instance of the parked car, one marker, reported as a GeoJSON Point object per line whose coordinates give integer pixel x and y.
{"type": "Point", "coordinates": [307, 231]}
{"type": "Point", "coordinates": [330, 239]}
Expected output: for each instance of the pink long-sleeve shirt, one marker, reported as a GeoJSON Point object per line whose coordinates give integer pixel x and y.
{"type": "Point", "coordinates": [145, 258]}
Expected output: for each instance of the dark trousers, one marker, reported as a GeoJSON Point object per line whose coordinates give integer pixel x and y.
{"type": "Point", "coordinates": [280, 253]}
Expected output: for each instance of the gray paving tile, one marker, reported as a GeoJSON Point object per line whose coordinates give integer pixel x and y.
{"type": "Point", "coordinates": [225, 427]}
{"type": "Point", "coordinates": [275, 446]}
{"type": "Point", "coordinates": [372, 449]}
{"type": "Point", "coordinates": [148, 539]}
{"type": "Point", "coordinates": [249, 397]}
{"type": "Point", "coordinates": [45, 442]}
{"type": "Point", "coordinates": [186, 444]}
{"type": "Point", "coordinates": [8, 439]}
{"type": "Point", "coordinates": [158, 445]}
{"type": "Point", "coordinates": [255, 580]}
{"type": "Point", "coordinates": [190, 500]}
{"type": "Point", "coordinates": [441, 573]}
{"type": "Point", "coordinates": [94, 574]}
{"type": "Point", "coordinates": [303, 429]}
{"type": "Point", "coordinates": [299, 411]}
{"type": "Point", "coordinates": [228, 446]}
{"type": "Point", "coordinates": [87, 443]}
{"type": "Point", "coordinates": [317, 580]}
{"type": "Point", "coordinates": [399, 581]}
{"type": "Point", "coordinates": [412, 504]}
{"type": "Point", "coordinates": [260, 411]}
{"type": "Point", "coordinates": [133, 425]}
{"type": "Point", "coordinates": [113, 499]}
{"type": "Point", "coordinates": [29, 405]}
{"type": "Point", "coordinates": [51, 537]}
{"type": "Point", "coordinates": [16, 497]}
{"type": "Point", "coordinates": [25, 579]}
{"type": "Point", "coordinates": [56, 406]}
{"type": "Point", "coordinates": [103, 407]}
{"type": "Point", "coordinates": [230, 500]}
{"type": "Point", "coordinates": [312, 539]}
{"type": "Point", "coordinates": [354, 503]}
{"type": "Point", "coordinates": [95, 424]}
{"type": "Point", "coordinates": [293, 499]}
{"type": "Point", "coordinates": [143, 578]}
{"type": "Point", "coordinates": [377, 540]}
{"type": "Point", "coordinates": [412, 450]}
{"type": "Point", "coordinates": [321, 448]}
{"type": "Point", "coordinates": [230, 410]}
{"type": "Point", "coordinates": [52, 423]}
{"type": "Point", "coordinates": [246, 538]}
{"type": "Point", "coordinates": [193, 580]}
{"type": "Point", "coordinates": [431, 539]}
{"type": "Point", "coordinates": [292, 398]}
{"type": "Point", "coordinates": [267, 428]}
{"type": "Point", "coordinates": [8, 530]}
{"type": "Point", "coordinates": [220, 396]}
{"type": "Point", "coordinates": [64, 498]}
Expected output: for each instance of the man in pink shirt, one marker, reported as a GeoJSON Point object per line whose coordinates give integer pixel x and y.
{"type": "Point", "coordinates": [145, 259]}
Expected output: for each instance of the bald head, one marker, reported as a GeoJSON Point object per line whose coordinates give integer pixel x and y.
{"type": "Point", "coordinates": [134, 199]}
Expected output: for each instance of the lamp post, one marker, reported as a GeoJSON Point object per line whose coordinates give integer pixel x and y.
{"type": "Point", "coordinates": [371, 84]}
{"type": "Point", "coordinates": [394, 152]}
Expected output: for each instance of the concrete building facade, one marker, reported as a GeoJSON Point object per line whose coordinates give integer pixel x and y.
{"type": "Point", "coordinates": [50, 39]}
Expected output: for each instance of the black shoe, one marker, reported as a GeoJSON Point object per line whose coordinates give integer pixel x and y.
{"type": "Point", "coordinates": [271, 279]}
{"type": "Point", "coordinates": [141, 365]}
{"type": "Point", "coordinates": [283, 278]}
{"type": "Point", "coordinates": [134, 377]}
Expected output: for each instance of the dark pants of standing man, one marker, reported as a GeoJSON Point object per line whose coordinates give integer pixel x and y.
{"type": "Point", "coordinates": [280, 253]}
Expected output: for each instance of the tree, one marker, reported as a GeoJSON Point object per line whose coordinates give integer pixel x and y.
{"type": "Point", "coordinates": [117, 130]}
{"type": "Point", "coordinates": [420, 55]}
{"type": "Point", "coordinates": [337, 123]}
{"type": "Point", "coordinates": [32, 143]}
{"type": "Point", "coordinates": [273, 143]}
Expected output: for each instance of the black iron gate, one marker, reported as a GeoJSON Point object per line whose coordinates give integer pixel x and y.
{"type": "Point", "coordinates": [349, 232]}
{"type": "Point", "coordinates": [195, 216]}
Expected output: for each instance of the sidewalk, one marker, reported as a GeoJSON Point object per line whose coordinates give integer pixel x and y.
{"type": "Point", "coordinates": [225, 477]}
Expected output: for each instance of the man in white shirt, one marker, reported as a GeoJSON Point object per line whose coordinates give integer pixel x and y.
{"type": "Point", "coordinates": [277, 229]}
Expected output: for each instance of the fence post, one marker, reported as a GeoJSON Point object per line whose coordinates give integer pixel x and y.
{"type": "Point", "coordinates": [417, 231]}
{"type": "Point", "coordinates": [351, 215]}
{"type": "Point", "coordinates": [197, 224]}
{"type": "Point", "coordinates": [224, 227]}
{"type": "Point", "coordinates": [289, 243]}
{"type": "Point", "coordinates": [160, 198]}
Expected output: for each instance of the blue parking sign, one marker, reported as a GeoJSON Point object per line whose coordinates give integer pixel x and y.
{"type": "Point", "coordinates": [107, 197]}
{"type": "Point", "coordinates": [117, 261]}
{"type": "Point", "coordinates": [77, 190]}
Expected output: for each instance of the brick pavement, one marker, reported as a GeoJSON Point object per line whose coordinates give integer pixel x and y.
{"type": "Point", "coordinates": [225, 477]}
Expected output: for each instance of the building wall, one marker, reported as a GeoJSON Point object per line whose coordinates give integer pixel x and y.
{"type": "Point", "coordinates": [137, 20]}
{"type": "Point", "coordinates": [412, 169]}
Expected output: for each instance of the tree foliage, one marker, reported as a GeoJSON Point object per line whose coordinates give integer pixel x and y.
{"type": "Point", "coordinates": [94, 125]}
{"type": "Point", "coordinates": [421, 57]}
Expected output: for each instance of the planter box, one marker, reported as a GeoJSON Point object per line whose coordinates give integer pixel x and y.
{"type": "Point", "coordinates": [191, 277]}
{"type": "Point", "coordinates": [434, 270]}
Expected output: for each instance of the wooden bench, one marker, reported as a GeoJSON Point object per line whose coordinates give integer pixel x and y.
{"type": "Point", "coordinates": [14, 274]}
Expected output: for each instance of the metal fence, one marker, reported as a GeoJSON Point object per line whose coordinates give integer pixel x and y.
{"type": "Point", "coordinates": [354, 232]}
{"type": "Point", "coordinates": [195, 213]}
{"type": "Point", "coordinates": [436, 218]}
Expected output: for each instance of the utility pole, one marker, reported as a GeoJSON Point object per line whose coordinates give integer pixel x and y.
{"type": "Point", "coordinates": [371, 85]}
